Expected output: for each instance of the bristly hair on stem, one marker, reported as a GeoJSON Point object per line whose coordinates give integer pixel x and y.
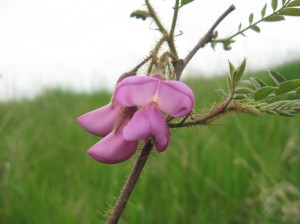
{"type": "Point", "coordinates": [163, 30]}
{"type": "Point", "coordinates": [130, 184]}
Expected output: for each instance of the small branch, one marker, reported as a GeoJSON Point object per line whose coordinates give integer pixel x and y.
{"type": "Point", "coordinates": [136, 68]}
{"type": "Point", "coordinates": [207, 117]}
{"type": "Point", "coordinates": [208, 36]}
{"type": "Point", "coordinates": [175, 15]}
{"type": "Point", "coordinates": [257, 22]}
{"type": "Point", "coordinates": [130, 184]}
{"type": "Point", "coordinates": [203, 119]}
{"type": "Point", "coordinates": [158, 45]}
{"type": "Point", "coordinates": [202, 42]}
{"type": "Point", "coordinates": [161, 28]}
{"type": "Point", "coordinates": [172, 30]}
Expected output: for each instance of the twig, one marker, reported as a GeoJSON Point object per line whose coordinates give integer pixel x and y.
{"type": "Point", "coordinates": [162, 29]}
{"type": "Point", "coordinates": [207, 37]}
{"type": "Point", "coordinates": [210, 116]}
{"type": "Point", "coordinates": [152, 13]}
{"type": "Point", "coordinates": [203, 119]}
{"type": "Point", "coordinates": [130, 183]}
{"type": "Point", "coordinates": [181, 64]}
{"type": "Point", "coordinates": [175, 15]}
{"type": "Point", "coordinates": [136, 68]}
{"type": "Point", "coordinates": [171, 35]}
{"type": "Point", "coordinates": [259, 21]}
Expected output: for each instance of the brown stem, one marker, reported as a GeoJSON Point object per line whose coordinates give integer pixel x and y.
{"type": "Point", "coordinates": [130, 184]}
{"type": "Point", "coordinates": [181, 64]}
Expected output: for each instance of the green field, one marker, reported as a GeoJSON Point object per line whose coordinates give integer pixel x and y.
{"type": "Point", "coordinates": [242, 169]}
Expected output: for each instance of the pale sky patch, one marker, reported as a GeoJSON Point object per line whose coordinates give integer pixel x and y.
{"type": "Point", "coordinates": [86, 44]}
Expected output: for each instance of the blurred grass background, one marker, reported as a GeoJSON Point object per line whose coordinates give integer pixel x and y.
{"type": "Point", "coordinates": [245, 170]}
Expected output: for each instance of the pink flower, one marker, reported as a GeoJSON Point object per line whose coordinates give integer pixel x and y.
{"type": "Point", "coordinates": [113, 148]}
{"type": "Point", "coordinates": [148, 122]}
{"type": "Point", "coordinates": [101, 121]}
{"type": "Point", "coordinates": [109, 121]}
{"type": "Point", "coordinates": [156, 95]}
{"type": "Point", "coordinates": [122, 125]}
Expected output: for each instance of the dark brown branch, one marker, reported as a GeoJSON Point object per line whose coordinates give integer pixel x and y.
{"type": "Point", "coordinates": [208, 36]}
{"type": "Point", "coordinates": [181, 64]}
{"type": "Point", "coordinates": [130, 183]}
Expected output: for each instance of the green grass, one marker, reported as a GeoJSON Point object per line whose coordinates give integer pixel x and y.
{"type": "Point", "coordinates": [242, 170]}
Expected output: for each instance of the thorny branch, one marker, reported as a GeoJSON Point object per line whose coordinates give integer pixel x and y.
{"type": "Point", "coordinates": [182, 63]}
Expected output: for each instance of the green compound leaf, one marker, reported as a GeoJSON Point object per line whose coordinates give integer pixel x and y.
{"type": "Point", "coordinates": [287, 108]}
{"type": "Point", "coordinates": [290, 12]}
{"type": "Point", "coordinates": [140, 14]}
{"type": "Point", "coordinates": [287, 86]}
{"type": "Point", "coordinates": [185, 2]}
{"type": "Point", "coordinates": [255, 28]}
{"type": "Point", "coordinates": [277, 78]}
{"type": "Point", "coordinates": [263, 11]}
{"type": "Point", "coordinates": [274, 5]}
{"type": "Point", "coordinates": [294, 3]}
{"type": "Point", "coordinates": [263, 92]}
{"type": "Point", "coordinates": [274, 18]}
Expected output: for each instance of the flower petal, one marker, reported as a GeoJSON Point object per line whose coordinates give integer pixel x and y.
{"type": "Point", "coordinates": [148, 123]}
{"type": "Point", "coordinates": [101, 121]}
{"type": "Point", "coordinates": [162, 140]}
{"type": "Point", "coordinates": [113, 148]}
{"type": "Point", "coordinates": [136, 90]}
{"type": "Point", "coordinates": [175, 98]}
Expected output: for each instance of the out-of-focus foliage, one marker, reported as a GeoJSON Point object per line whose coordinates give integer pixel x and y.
{"type": "Point", "coordinates": [47, 177]}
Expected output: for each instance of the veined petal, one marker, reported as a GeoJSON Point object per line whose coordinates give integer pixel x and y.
{"type": "Point", "coordinates": [175, 98]}
{"type": "Point", "coordinates": [136, 90]}
{"type": "Point", "coordinates": [148, 123]}
{"type": "Point", "coordinates": [113, 148]}
{"type": "Point", "coordinates": [101, 121]}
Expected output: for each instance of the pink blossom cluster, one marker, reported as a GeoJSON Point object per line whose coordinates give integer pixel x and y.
{"type": "Point", "coordinates": [136, 112]}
